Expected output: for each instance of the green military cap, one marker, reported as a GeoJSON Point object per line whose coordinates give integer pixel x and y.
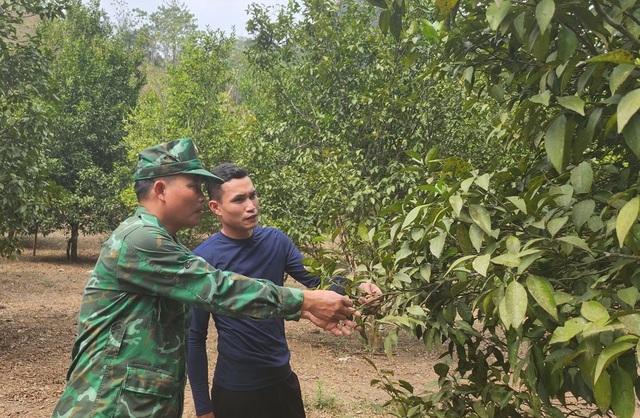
{"type": "Point", "coordinates": [167, 159]}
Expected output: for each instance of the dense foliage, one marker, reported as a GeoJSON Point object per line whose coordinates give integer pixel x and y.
{"type": "Point", "coordinates": [346, 103]}
{"type": "Point", "coordinates": [97, 82]}
{"type": "Point", "coordinates": [478, 160]}
{"type": "Point", "coordinates": [529, 272]}
{"type": "Point", "coordinates": [25, 131]}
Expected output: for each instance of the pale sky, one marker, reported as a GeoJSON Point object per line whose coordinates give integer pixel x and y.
{"type": "Point", "coordinates": [218, 14]}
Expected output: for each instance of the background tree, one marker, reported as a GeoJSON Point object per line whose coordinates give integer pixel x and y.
{"type": "Point", "coordinates": [167, 30]}
{"type": "Point", "coordinates": [190, 100]}
{"type": "Point", "coordinates": [346, 103]}
{"type": "Point", "coordinates": [25, 132]}
{"type": "Point", "coordinates": [98, 82]}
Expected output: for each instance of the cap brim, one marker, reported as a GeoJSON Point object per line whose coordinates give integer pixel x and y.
{"type": "Point", "coordinates": [205, 173]}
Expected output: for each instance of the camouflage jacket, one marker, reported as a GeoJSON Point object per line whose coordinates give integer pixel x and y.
{"type": "Point", "coordinates": [129, 358]}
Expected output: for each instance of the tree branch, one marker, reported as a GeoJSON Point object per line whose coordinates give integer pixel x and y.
{"type": "Point", "coordinates": [598, 8]}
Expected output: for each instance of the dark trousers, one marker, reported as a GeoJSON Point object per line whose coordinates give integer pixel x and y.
{"type": "Point", "coordinates": [283, 400]}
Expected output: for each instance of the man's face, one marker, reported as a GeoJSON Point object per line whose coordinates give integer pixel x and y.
{"type": "Point", "coordinates": [237, 208]}
{"type": "Point", "coordinates": [183, 201]}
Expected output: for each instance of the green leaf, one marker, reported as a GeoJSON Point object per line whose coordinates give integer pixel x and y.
{"type": "Point", "coordinates": [612, 352]}
{"type": "Point", "coordinates": [513, 244]}
{"type": "Point", "coordinates": [402, 277]}
{"type": "Point", "coordinates": [518, 24]}
{"type": "Point", "coordinates": [527, 260]}
{"type": "Point", "coordinates": [456, 204]}
{"type": "Point", "coordinates": [554, 143]}
{"type": "Point", "coordinates": [562, 194]}
{"type": "Point", "coordinates": [481, 264]}
{"type": "Point", "coordinates": [602, 392]}
{"type": "Point", "coordinates": [466, 184]}
{"type": "Point", "coordinates": [582, 211]}
{"type": "Point", "coordinates": [628, 107]}
{"type": "Point", "coordinates": [425, 272]}
{"type": "Point", "coordinates": [623, 399]}
{"type": "Point", "coordinates": [582, 178]}
{"type": "Point", "coordinates": [412, 215]}
{"type": "Point", "coordinates": [567, 44]}
{"type": "Point", "coordinates": [626, 218]}
{"type": "Point", "coordinates": [468, 75]}
{"type": "Point", "coordinates": [476, 236]}
{"type": "Point", "coordinates": [631, 133]}
{"type": "Point", "coordinates": [403, 254]}
{"type": "Point", "coordinates": [445, 6]}
{"type": "Point", "coordinates": [441, 369]}
{"type": "Point", "coordinates": [395, 22]}
{"type": "Point", "coordinates": [363, 233]}
{"type": "Point", "coordinates": [570, 329]}
{"type": "Point", "coordinates": [574, 103]}
{"type": "Point", "coordinates": [483, 181]}
{"type": "Point", "coordinates": [508, 260]}
{"type": "Point", "coordinates": [519, 203]}
{"type": "Point", "coordinates": [436, 245]}
{"type": "Point", "coordinates": [631, 323]}
{"type": "Point", "coordinates": [556, 224]}
{"type": "Point", "coordinates": [460, 261]}
{"type": "Point", "coordinates": [542, 98]}
{"type": "Point", "coordinates": [433, 153]}
{"type": "Point", "coordinates": [389, 342]}
{"type": "Point", "coordinates": [585, 135]}
{"type": "Point", "coordinates": [416, 310]}
{"type": "Point", "coordinates": [594, 311]}
{"type": "Point", "coordinates": [384, 21]}
{"type": "Point", "coordinates": [619, 75]}
{"type": "Point", "coordinates": [544, 13]}
{"type": "Point", "coordinates": [497, 12]}
{"type": "Point", "coordinates": [481, 217]}
{"type": "Point", "coordinates": [462, 238]}
{"type": "Point", "coordinates": [561, 298]}
{"type": "Point", "coordinates": [616, 57]}
{"type": "Point", "coordinates": [630, 295]}
{"type": "Point", "coordinates": [513, 307]}
{"type": "Point", "coordinates": [542, 292]}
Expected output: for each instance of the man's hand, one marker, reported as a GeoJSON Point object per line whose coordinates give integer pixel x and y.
{"type": "Point", "coordinates": [328, 306]}
{"type": "Point", "coordinates": [371, 301]}
{"type": "Point", "coordinates": [339, 329]}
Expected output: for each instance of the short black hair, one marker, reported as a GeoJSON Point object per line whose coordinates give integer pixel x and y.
{"type": "Point", "coordinates": [142, 188]}
{"type": "Point", "coordinates": [225, 171]}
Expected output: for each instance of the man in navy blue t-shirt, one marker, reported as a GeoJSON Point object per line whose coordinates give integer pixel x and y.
{"type": "Point", "coordinates": [253, 377]}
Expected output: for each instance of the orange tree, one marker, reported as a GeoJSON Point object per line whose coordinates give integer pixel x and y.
{"type": "Point", "coordinates": [342, 104]}
{"type": "Point", "coordinates": [97, 81]}
{"type": "Point", "coordinates": [529, 271]}
{"type": "Point", "coordinates": [25, 130]}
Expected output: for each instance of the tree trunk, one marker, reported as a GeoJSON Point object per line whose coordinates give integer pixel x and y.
{"type": "Point", "coordinates": [72, 243]}
{"type": "Point", "coordinates": [35, 240]}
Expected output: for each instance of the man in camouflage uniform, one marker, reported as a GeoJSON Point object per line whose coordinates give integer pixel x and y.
{"type": "Point", "coordinates": [129, 358]}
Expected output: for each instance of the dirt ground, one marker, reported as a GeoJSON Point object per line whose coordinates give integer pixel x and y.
{"type": "Point", "coordinates": [39, 301]}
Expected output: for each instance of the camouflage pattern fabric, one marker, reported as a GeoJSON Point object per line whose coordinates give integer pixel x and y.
{"type": "Point", "coordinates": [129, 358]}
{"type": "Point", "coordinates": [175, 157]}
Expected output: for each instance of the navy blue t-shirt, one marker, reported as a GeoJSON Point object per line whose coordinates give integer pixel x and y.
{"type": "Point", "coordinates": [251, 354]}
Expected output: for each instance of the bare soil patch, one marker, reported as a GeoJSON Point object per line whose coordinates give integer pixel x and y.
{"type": "Point", "coordinates": [39, 302]}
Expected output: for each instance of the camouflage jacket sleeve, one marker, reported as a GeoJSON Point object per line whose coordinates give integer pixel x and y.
{"type": "Point", "coordinates": [151, 261]}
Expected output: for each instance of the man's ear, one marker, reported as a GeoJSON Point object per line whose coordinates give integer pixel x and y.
{"type": "Point", "coordinates": [158, 189]}
{"type": "Point", "coordinates": [214, 205]}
